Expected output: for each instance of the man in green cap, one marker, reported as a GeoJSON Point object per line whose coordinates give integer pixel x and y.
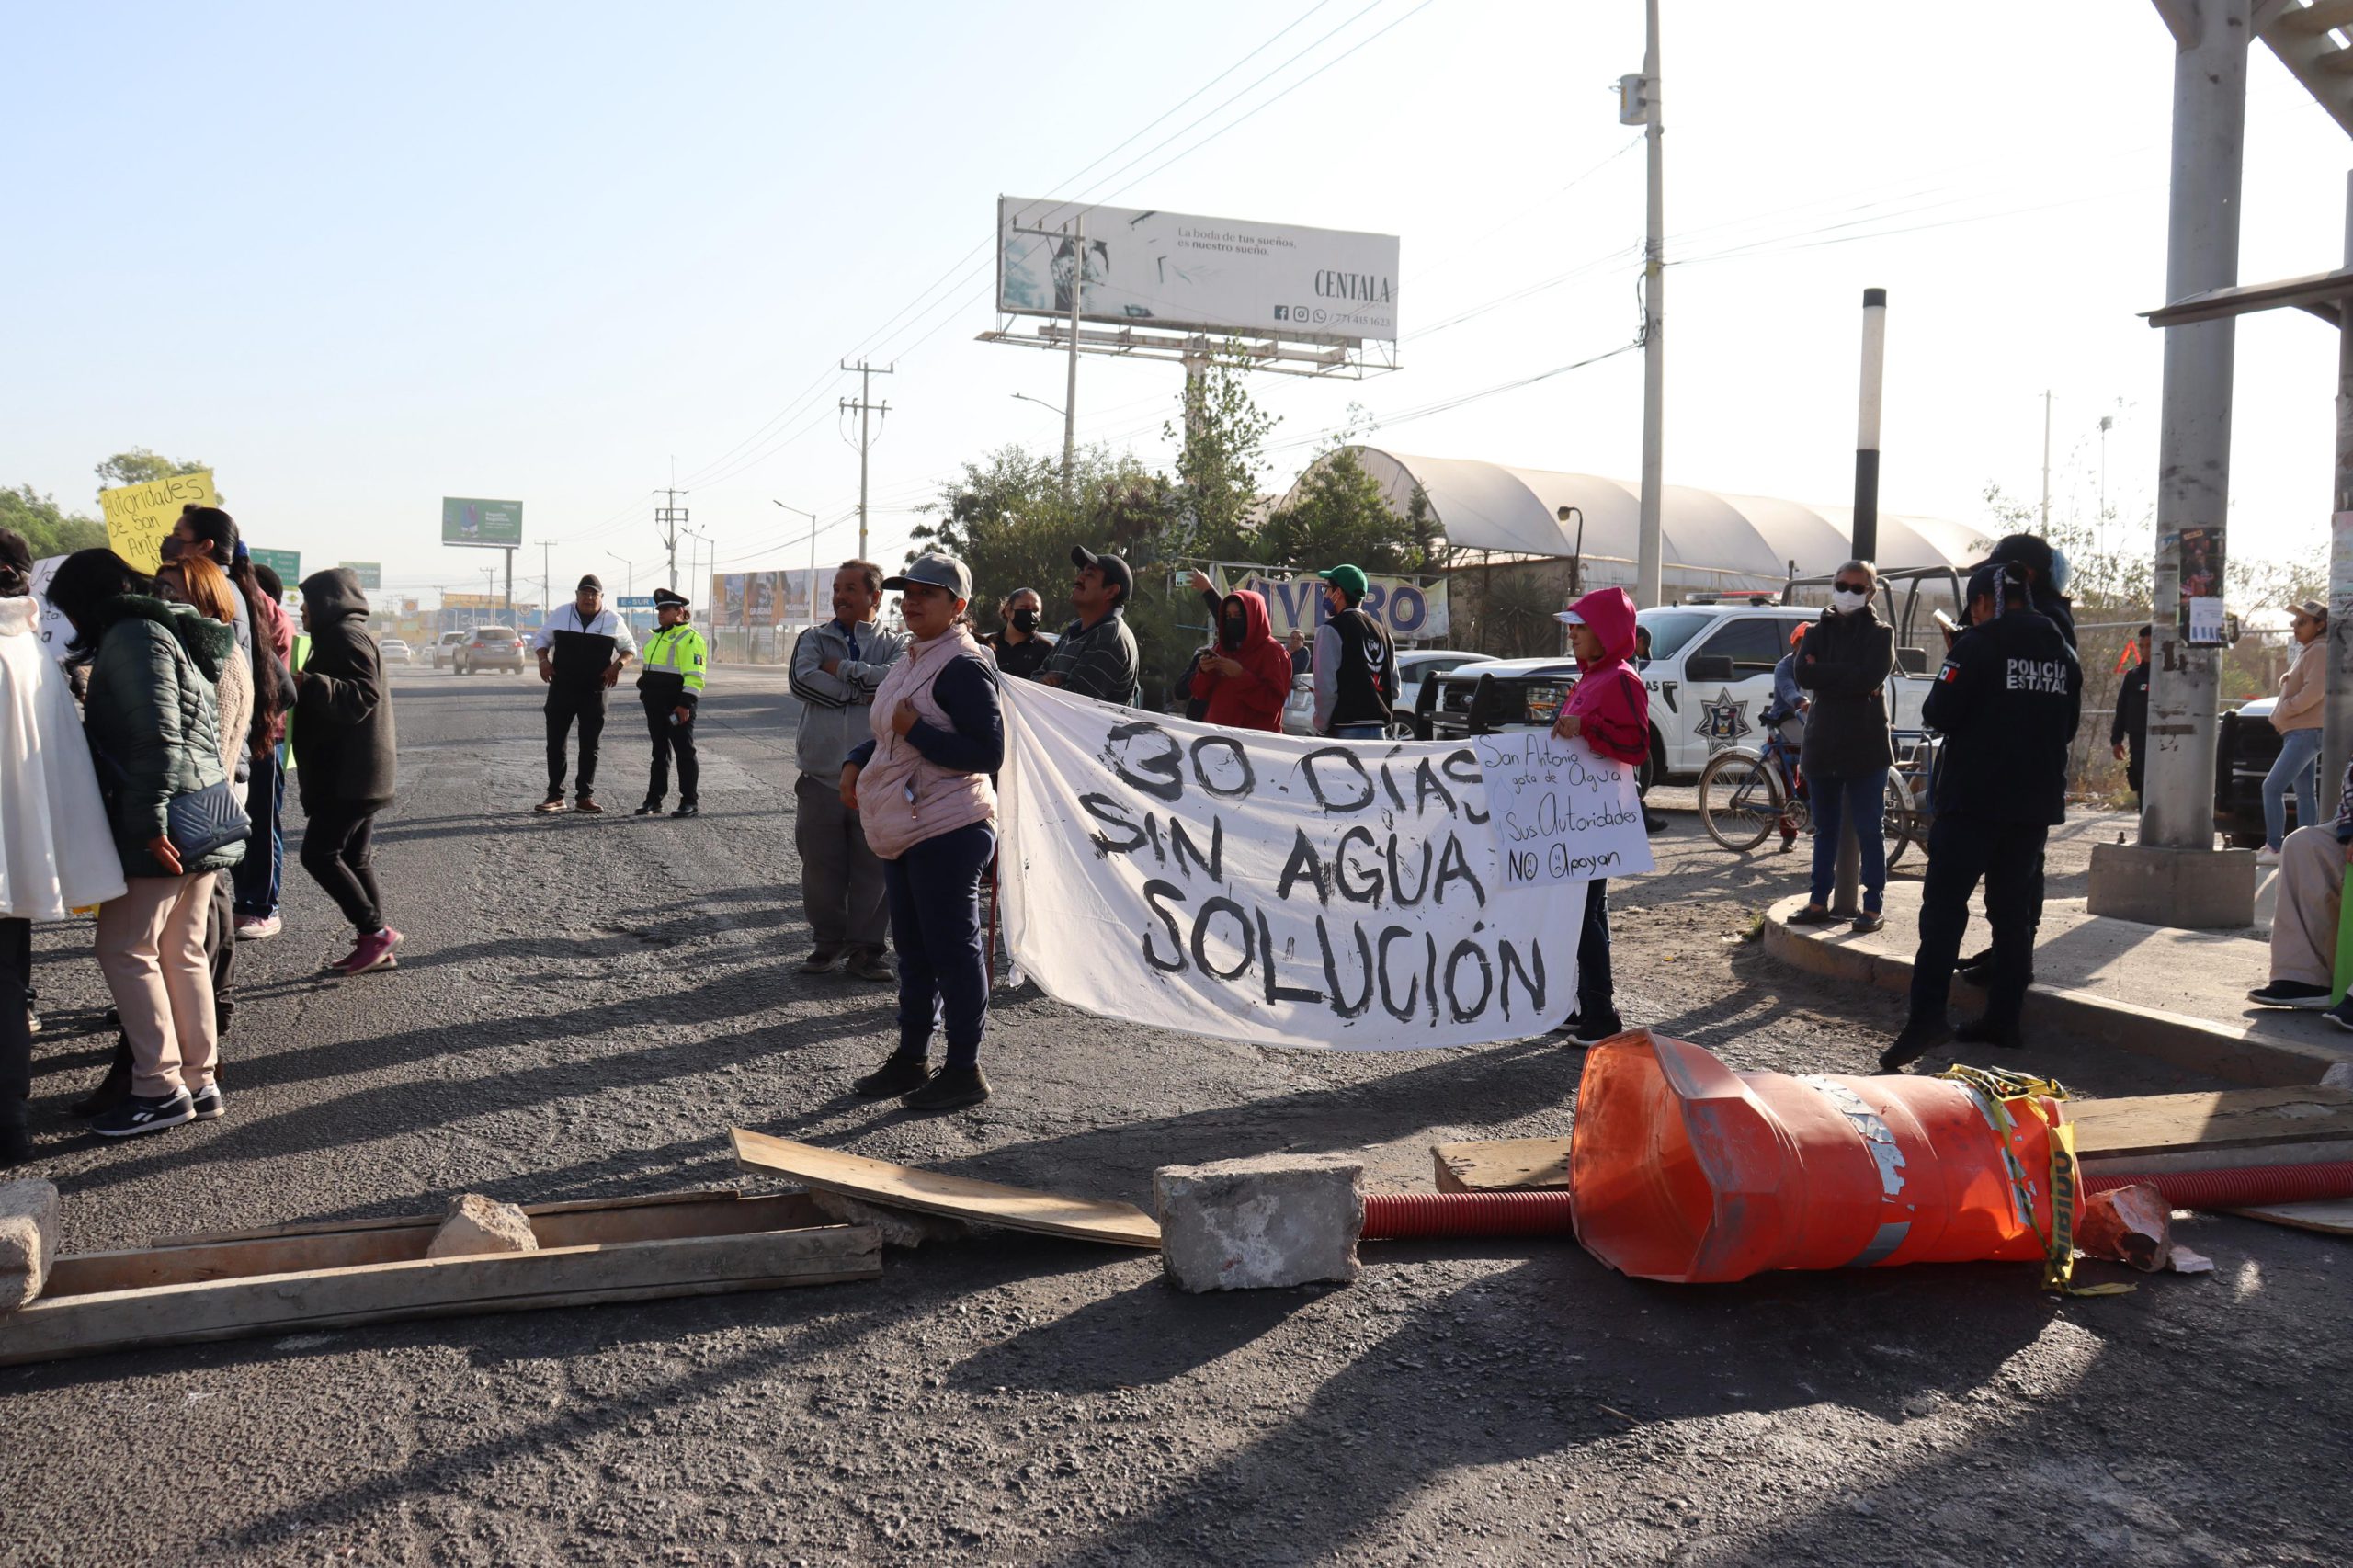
{"type": "Point", "coordinates": [1355, 664]}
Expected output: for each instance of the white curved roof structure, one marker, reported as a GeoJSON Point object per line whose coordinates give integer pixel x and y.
{"type": "Point", "coordinates": [1712, 540]}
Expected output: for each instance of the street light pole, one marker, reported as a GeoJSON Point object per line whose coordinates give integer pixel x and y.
{"type": "Point", "coordinates": [812, 551]}
{"type": "Point", "coordinates": [1639, 105]}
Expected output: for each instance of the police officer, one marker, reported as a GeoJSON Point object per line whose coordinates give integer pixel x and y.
{"type": "Point", "coordinates": [2007, 702]}
{"type": "Point", "coordinates": [670, 684]}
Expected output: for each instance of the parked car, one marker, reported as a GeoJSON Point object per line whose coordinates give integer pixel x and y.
{"type": "Point", "coordinates": [444, 649]}
{"type": "Point", "coordinates": [490, 648]}
{"type": "Point", "coordinates": [1414, 666]}
{"type": "Point", "coordinates": [2246, 745]}
{"type": "Point", "coordinates": [395, 651]}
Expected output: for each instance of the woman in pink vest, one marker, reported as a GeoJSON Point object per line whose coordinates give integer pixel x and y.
{"type": "Point", "coordinates": [922, 788]}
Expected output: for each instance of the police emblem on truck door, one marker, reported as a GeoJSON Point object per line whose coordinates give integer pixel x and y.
{"type": "Point", "coordinates": [1723, 720]}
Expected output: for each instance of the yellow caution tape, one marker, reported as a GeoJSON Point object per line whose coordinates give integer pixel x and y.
{"type": "Point", "coordinates": [1999, 1091]}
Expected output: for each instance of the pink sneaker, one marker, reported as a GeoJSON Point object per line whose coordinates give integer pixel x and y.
{"type": "Point", "coordinates": [370, 952]}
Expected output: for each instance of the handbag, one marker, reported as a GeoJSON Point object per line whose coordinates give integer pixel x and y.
{"type": "Point", "coordinates": [198, 821]}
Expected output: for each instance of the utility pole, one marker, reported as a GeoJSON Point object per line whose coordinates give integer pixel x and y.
{"type": "Point", "coordinates": [669, 521]}
{"type": "Point", "coordinates": [865, 406]}
{"type": "Point", "coordinates": [1638, 103]}
{"type": "Point", "coordinates": [2046, 463]}
{"type": "Point", "coordinates": [2336, 723]}
{"type": "Point", "coordinates": [547, 580]}
{"type": "Point", "coordinates": [1074, 235]}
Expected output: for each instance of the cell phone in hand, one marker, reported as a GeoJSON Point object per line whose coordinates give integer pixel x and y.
{"type": "Point", "coordinates": [1951, 627]}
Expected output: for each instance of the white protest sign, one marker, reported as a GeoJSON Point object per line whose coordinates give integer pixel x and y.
{"type": "Point", "coordinates": [55, 630]}
{"type": "Point", "coordinates": [1275, 888]}
{"type": "Point", "coordinates": [1562, 812]}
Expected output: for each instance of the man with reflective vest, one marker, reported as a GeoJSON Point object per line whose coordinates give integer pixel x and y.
{"type": "Point", "coordinates": [669, 683]}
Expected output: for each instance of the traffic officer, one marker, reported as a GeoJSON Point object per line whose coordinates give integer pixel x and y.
{"type": "Point", "coordinates": [669, 684]}
{"type": "Point", "coordinates": [2006, 703]}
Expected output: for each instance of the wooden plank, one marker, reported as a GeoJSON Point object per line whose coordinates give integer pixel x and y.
{"type": "Point", "coordinates": [2332, 1216]}
{"type": "Point", "coordinates": [295, 1252]}
{"type": "Point", "coordinates": [929, 1192]}
{"type": "Point", "coordinates": [1503, 1164]}
{"type": "Point", "coordinates": [338, 1298]}
{"type": "Point", "coordinates": [324, 1227]}
{"type": "Point", "coordinates": [2231, 1118]}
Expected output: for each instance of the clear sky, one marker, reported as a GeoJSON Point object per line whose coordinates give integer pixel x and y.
{"type": "Point", "coordinates": [361, 258]}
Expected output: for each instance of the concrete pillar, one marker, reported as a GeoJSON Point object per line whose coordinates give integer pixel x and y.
{"type": "Point", "coordinates": [2337, 743]}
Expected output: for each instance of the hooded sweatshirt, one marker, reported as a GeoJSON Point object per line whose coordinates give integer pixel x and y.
{"type": "Point", "coordinates": [343, 742]}
{"type": "Point", "coordinates": [1253, 699]}
{"type": "Point", "coordinates": [1608, 696]}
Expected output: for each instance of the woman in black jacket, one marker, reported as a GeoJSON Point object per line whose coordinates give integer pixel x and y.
{"type": "Point", "coordinates": [344, 761]}
{"type": "Point", "coordinates": [1846, 661]}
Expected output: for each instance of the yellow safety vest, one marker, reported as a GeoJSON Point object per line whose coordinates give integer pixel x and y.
{"type": "Point", "coordinates": [679, 650]}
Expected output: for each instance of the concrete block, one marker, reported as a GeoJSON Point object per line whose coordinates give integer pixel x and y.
{"type": "Point", "coordinates": [28, 1240]}
{"type": "Point", "coordinates": [897, 1227]}
{"type": "Point", "coordinates": [2201, 890]}
{"type": "Point", "coordinates": [2339, 1076]}
{"type": "Point", "coordinates": [1259, 1223]}
{"type": "Point", "coordinates": [477, 1224]}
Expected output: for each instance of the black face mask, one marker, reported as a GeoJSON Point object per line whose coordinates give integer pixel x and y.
{"type": "Point", "coordinates": [1025, 619]}
{"type": "Point", "coordinates": [1235, 627]}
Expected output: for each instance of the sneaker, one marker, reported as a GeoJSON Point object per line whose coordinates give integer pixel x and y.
{"type": "Point", "coordinates": [587, 805]}
{"type": "Point", "coordinates": [1593, 1030]}
{"type": "Point", "coordinates": [821, 963]}
{"type": "Point", "coordinates": [145, 1113]}
{"type": "Point", "coordinates": [2290, 994]}
{"type": "Point", "coordinates": [688, 809]}
{"type": "Point", "coordinates": [207, 1103]}
{"type": "Point", "coordinates": [951, 1088]}
{"type": "Point", "coordinates": [1983, 1030]}
{"type": "Point", "coordinates": [553, 804]}
{"type": "Point", "coordinates": [1788, 842]}
{"type": "Point", "coordinates": [2341, 1014]}
{"type": "Point", "coordinates": [898, 1074]}
{"type": "Point", "coordinates": [2267, 855]}
{"type": "Point", "coordinates": [1869, 921]}
{"type": "Point", "coordinates": [258, 927]}
{"type": "Point", "coordinates": [1813, 914]}
{"type": "Point", "coordinates": [373, 953]}
{"type": "Point", "coordinates": [871, 966]}
{"type": "Point", "coordinates": [652, 808]}
{"type": "Point", "coordinates": [1917, 1038]}
{"type": "Point", "coordinates": [1981, 959]}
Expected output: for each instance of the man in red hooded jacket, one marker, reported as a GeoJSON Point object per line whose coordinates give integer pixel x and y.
{"type": "Point", "coordinates": [1246, 681]}
{"type": "Point", "coordinates": [1609, 709]}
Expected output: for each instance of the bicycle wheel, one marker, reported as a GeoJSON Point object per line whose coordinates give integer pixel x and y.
{"type": "Point", "coordinates": [1896, 817]}
{"type": "Point", "coordinates": [1740, 799]}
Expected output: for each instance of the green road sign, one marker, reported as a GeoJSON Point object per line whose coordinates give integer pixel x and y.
{"type": "Point", "coordinates": [369, 573]}
{"type": "Point", "coordinates": [495, 523]}
{"type": "Point", "coordinates": [286, 563]}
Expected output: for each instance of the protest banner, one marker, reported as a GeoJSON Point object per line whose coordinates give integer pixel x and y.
{"type": "Point", "coordinates": [139, 516]}
{"type": "Point", "coordinates": [55, 630]}
{"type": "Point", "coordinates": [1277, 889]}
{"type": "Point", "coordinates": [1562, 812]}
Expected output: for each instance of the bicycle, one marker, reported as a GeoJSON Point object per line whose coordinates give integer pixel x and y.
{"type": "Point", "coordinates": [1746, 795]}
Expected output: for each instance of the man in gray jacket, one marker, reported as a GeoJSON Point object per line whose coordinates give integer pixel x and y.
{"type": "Point", "coordinates": [835, 669]}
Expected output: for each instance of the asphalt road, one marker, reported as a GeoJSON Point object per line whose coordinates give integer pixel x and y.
{"type": "Point", "coordinates": [584, 1008]}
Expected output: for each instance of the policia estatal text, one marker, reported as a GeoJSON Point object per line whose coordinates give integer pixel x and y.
{"type": "Point", "coordinates": [2007, 702]}
{"type": "Point", "coordinates": [669, 685]}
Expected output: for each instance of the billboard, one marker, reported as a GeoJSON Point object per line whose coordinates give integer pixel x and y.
{"type": "Point", "coordinates": [1413, 609]}
{"type": "Point", "coordinates": [769, 598]}
{"type": "Point", "coordinates": [1216, 275]}
{"type": "Point", "coordinates": [494, 525]}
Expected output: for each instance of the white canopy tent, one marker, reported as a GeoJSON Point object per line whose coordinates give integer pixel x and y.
{"type": "Point", "coordinates": [1712, 540]}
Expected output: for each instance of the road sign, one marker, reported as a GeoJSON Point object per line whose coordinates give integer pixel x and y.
{"type": "Point", "coordinates": [497, 525]}
{"type": "Point", "coordinates": [369, 573]}
{"type": "Point", "coordinates": [286, 563]}
{"type": "Point", "coordinates": [635, 601]}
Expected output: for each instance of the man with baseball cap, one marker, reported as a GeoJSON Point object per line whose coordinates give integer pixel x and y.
{"type": "Point", "coordinates": [1096, 656]}
{"type": "Point", "coordinates": [669, 686]}
{"type": "Point", "coordinates": [582, 649]}
{"type": "Point", "coordinates": [1355, 664]}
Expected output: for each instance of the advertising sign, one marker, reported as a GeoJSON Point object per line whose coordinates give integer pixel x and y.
{"type": "Point", "coordinates": [286, 563]}
{"type": "Point", "coordinates": [472, 601]}
{"type": "Point", "coordinates": [769, 598]}
{"type": "Point", "coordinates": [1411, 610]}
{"type": "Point", "coordinates": [495, 525]}
{"type": "Point", "coordinates": [139, 516]}
{"type": "Point", "coordinates": [369, 573]}
{"type": "Point", "coordinates": [1218, 275]}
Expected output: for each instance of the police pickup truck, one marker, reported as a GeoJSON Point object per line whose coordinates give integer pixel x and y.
{"type": "Point", "coordinates": [1709, 676]}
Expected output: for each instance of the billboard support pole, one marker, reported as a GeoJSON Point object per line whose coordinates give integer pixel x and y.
{"type": "Point", "coordinates": [1070, 388]}
{"type": "Point", "coordinates": [509, 595]}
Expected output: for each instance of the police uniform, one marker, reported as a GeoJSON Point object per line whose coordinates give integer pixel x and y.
{"type": "Point", "coordinates": [2007, 702]}
{"type": "Point", "coordinates": [670, 677]}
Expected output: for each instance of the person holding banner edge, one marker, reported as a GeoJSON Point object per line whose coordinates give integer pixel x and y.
{"type": "Point", "coordinates": [1608, 709]}
{"type": "Point", "coordinates": [923, 787]}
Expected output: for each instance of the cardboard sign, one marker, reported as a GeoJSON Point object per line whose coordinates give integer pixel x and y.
{"type": "Point", "coordinates": [1562, 812]}
{"type": "Point", "coordinates": [140, 515]}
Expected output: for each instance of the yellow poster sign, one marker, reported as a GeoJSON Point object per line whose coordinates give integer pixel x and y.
{"type": "Point", "coordinates": [139, 516]}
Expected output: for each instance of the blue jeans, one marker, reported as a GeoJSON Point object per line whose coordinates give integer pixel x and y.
{"type": "Point", "coordinates": [2298, 759]}
{"type": "Point", "coordinates": [934, 893]}
{"type": "Point", "coordinates": [1356, 732]}
{"type": "Point", "coordinates": [1864, 796]}
{"type": "Point", "coordinates": [258, 877]}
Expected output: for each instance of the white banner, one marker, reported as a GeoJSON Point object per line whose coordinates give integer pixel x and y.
{"type": "Point", "coordinates": [1562, 812]}
{"type": "Point", "coordinates": [55, 630]}
{"type": "Point", "coordinates": [1277, 889]}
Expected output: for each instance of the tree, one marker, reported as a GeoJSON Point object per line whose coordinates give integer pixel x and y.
{"type": "Point", "coordinates": [1222, 454]}
{"type": "Point", "coordinates": [1341, 515]}
{"type": "Point", "coordinates": [46, 529]}
{"type": "Point", "coordinates": [140, 466]}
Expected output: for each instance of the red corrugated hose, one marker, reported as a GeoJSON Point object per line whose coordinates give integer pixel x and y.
{"type": "Point", "coordinates": [2241, 1188]}
{"type": "Point", "coordinates": [1405, 1216]}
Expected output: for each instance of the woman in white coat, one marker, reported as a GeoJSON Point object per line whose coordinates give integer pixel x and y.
{"type": "Point", "coordinates": [57, 850]}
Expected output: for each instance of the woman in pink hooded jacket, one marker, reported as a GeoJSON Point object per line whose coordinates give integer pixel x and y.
{"type": "Point", "coordinates": [1610, 709]}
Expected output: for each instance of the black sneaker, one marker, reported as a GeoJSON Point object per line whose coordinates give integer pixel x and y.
{"type": "Point", "coordinates": [951, 1088]}
{"type": "Point", "coordinates": [871, 966]}
{"type": "Point", "coordinates": [821, 963]}
{"type": "Point", "coordinates": [688, 809]}
{"type": "Point", "coordinates": [145, 1113]}
{"type": "Point", "coordinates": [1869, 921]}
{"type": "Point", "coordinates": [208, 1104]}
{"type": "Point", "coordinates": [1916, 1040]}
{"type": "Point", "coordinates": [1598, 1028]}
{"type": "Point", "coordinates": [110, 1092]}
{"type": "Point", "coordinates": [2290, 994]}
{"type": "Point", "coordinates": [1813, 914]}
{"type": "Point", "coordinates": [897, 1075]}
{"type": "Point", "coordinates": [652, 808]}
{"type": "Point", "coordinates": [2342, 1014]}
{"type": "Point", "coordinates": [1982, 1030]}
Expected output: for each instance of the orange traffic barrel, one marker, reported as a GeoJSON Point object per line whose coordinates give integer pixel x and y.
{"type": "Point", "coordinates": [1682, 1170]}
